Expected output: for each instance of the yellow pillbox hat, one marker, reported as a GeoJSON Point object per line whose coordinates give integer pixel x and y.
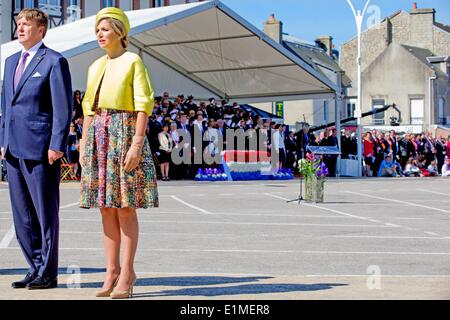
{"type": "Point", "coordinates": [114, 13]}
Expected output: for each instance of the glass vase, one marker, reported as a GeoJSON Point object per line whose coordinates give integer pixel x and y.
{"type": "Point", "coordinates": [314, 189]}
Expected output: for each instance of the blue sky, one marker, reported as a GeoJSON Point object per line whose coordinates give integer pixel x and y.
{"type": "Point", "coordinates": [307, 19]}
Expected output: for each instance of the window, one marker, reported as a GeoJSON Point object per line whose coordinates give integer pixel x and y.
{"type": "Point", "coordinates": [442, 119]}
{"type": "Point", "coordinates": [17, 7]}
{"type": "Point", "coordinates": [28, 4]}
{"type": "Point", "coordinates": [448, 73]}
{"type": "Point", "coordinates": [350, 109]}
{"type": "Point", "coordinates": [325, 111]}
{"type": "Point", "coordinates": [73, 10]}
{"type": "Point", "coordinates": [109, 3]}
{"type": "Point", "coordinates": [51, 7]}
{"type": "Point", "coordinates": [50, 2]}
{"type": "Point", "coordinates": [378, 118]}
{"type": "Point", "coordinates": [416, 111]}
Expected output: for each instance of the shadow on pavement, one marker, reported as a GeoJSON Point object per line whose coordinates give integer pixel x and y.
{"type": "Point", "coordinates": [241, 289]}
{"type": "Point", "coordinates": [182, 281]}
{"type": "Point", "coordinates": [61, 271]}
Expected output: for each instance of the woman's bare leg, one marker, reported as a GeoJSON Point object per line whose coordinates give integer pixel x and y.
{"type": "Point", "coordinates": [129, 229]}
{"type": "Point", "coordinates": [111, 243]}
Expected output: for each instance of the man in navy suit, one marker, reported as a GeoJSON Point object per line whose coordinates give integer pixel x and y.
{"type": "Point", "coordinates": [36, 113]}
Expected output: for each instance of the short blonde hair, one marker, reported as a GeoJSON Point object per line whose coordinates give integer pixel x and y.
{"type": "Point", "coordinates": [36, 15]}
{"type": "Point", "coordinates": [118, 28]}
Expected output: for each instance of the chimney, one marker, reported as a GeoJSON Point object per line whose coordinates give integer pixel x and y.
{"type": "Point", "coordinates": [429, 13]}
{"type": "Point", "coordinates": [326, 43]}
{"type": "Point", "coordinates": [421, 27]}
{"type": "Point", "coordinates": [274, 28]}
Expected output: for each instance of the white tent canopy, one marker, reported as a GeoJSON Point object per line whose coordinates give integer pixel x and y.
{"type": "Point", "coordinates": [203, 48]}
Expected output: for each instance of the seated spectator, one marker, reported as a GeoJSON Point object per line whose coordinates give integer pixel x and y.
{"type": "Point", "coordinates": [387, 168]}
{"type": "Point", "coordinates": [421, 162]}
{"type": "Point", "coordinates": [411, 168]}
{"type": "Point", "coordinates": [398, 168]}
{"type": "Point", "coordinates": [446, 168]}
{"type": "Point", "coordinates": [433, 169]}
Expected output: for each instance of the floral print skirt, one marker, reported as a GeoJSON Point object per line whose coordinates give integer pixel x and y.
{"type": "Point", "coordinates": [104, 182]}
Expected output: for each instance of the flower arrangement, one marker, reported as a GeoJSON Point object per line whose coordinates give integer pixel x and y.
{"type": "Point", "coordinates": [314, 171]}
{"type": "Point", "coordinates": [282, 174]}
{"type": "Point", "coordinates": [312, 167]}
{"type": "Point", "coordinates": [210, 174]}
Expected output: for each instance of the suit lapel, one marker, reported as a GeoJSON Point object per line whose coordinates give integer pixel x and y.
{"type": "Point", "coordinates": [10, 70]}
{"type": "Point", "coordinates": [38, 57]}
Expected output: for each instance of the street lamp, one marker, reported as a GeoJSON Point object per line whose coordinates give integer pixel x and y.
{"type": "Point", "coordinates": [359, 17]}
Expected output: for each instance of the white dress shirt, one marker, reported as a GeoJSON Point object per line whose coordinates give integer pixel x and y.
{"type": "Point", "coordinates": [32, 52]}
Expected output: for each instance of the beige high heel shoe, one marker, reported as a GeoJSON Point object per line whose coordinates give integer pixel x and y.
{"type": "Point", "coordinates": [124, 294]}
{"type": "Point", "coordinates": [107, 292]}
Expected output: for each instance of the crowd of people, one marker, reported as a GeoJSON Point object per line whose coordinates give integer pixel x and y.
{"type": "Point", "coordinates": [173, 123]}
{"type": "Point", "coordinates": [388, 154]}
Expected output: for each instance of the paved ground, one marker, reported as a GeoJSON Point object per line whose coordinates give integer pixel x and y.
{"type": "Point", "coordinates": [371, 239]}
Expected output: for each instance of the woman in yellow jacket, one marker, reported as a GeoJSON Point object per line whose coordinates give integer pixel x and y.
{"type": "Point", "coordinates": [118, 173]}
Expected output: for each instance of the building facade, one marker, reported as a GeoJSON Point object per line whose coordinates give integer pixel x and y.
{"type": "Point", "coordinates": [404, 61]}
{"type": "Point", "coordinates": [323, 58]}
{"type": "Point", "coordinates": [66, 11]}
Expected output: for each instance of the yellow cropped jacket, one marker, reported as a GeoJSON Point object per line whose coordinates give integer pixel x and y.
{"type": "Point", "coordinates": [126, 85]}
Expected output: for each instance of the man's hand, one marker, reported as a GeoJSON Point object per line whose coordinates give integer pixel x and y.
{"type": "Point", "coordinates": [2, 153]}
{"type": "Point", "coordinates": [54, 155]}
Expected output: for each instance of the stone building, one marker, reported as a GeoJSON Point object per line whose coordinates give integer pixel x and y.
{"type": "Point", "coordinates": [323, 58]}
{"type": "Point", "coordinates": [405, 60]}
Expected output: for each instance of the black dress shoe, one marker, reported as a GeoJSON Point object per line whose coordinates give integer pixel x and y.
{"type": "Point", "coordinates": [22, 284]}
{"type": "Point", "coordinates": [42, 283]}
